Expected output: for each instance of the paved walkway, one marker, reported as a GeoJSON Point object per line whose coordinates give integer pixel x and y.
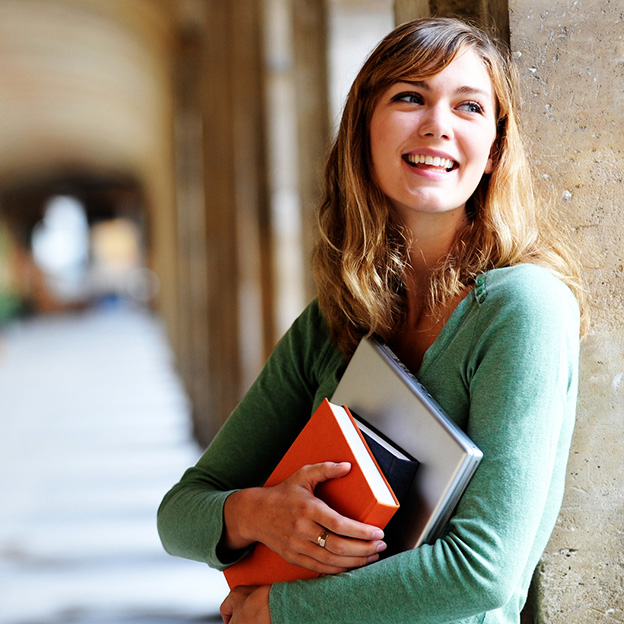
{"type": "Point", "coordinates": [94, 428]}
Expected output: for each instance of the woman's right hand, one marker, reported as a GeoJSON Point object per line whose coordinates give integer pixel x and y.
{"type": "Point", "coordinates": [289, 519]}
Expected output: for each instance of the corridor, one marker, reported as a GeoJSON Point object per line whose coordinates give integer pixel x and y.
{"type": "Point", "coordinates": [94, 429]}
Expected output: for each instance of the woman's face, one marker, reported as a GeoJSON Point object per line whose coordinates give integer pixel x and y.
{"type": "Point", "coordinates": [431, 140]}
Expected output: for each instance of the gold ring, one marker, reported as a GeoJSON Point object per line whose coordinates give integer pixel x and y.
{"type": "Point", "coordinates": [322, 538]}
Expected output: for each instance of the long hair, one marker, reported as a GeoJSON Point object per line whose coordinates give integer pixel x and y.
{"type": "Point", "coordinates": [361, 256]}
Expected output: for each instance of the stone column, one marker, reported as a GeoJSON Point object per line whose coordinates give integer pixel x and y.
{"type": "Point", "coordinates": [311, 84]}
{"type": "Point", "coordinates": [233, 265]}
{"type": "Point", "coordinates": [406, 10]}
{"type": "Point", "coordinates": [251, 193]}
{"type": "Point", "coordinates": [571, 62]}
{"type": "Point", "coordinates": [193, 267]}
{"type": "Point", "coordinates": [218, 383]}
{"type": "Point", "coordinates": [492, 14]}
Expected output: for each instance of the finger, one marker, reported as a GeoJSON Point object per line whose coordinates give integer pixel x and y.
{"type": "Point", "coordinates": [347, 547]}
{"type": "Point", "coordinates": [322, 567]}
{"type": "Point", "coordinates": [338, 552]}
{"type": "Point", "coordinates": [325, 562]}
{"type": "Point", "coordinates": [234, 599]}
{"type": "Point", "coordinates": [226, 609]}
{"type": "Point", "coordinates": [313, 474]}
{"type": "Point", "coordinates": [346, 527]}
{"type": "Point", "coordinates": [347, 537]}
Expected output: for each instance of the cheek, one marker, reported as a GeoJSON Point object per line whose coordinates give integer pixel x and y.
{"type": "Point", "coordinates": [483, 150]}
{"type": "Point", "coordinates": [377, 136]}
{"type": "Point", "coordinates": [379, 148]}
{"type": "Point", "coordinates": [387, 143]}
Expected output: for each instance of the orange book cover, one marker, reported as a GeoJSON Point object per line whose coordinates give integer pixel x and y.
{"type": "Point", "coordinates": [363, 494]}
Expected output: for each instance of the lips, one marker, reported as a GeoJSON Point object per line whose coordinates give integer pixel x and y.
{"type": "Point", "coordinates": [431, 162]}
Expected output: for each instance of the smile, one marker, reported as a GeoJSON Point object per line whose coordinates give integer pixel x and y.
{"type": "Point", "coordinates": [430, 161]}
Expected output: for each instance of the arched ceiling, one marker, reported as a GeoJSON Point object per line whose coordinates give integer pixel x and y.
{"type": "Point", "coordinates": [85, 88]}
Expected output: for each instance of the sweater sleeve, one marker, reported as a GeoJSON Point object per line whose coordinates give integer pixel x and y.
{"type": "Point", "coordinates": [249, 445]}
{"type": "Point", "coordinates": [520, 373]}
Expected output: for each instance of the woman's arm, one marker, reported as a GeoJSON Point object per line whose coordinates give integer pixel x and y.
{"type": "Point", "coordinates": [219, 509]}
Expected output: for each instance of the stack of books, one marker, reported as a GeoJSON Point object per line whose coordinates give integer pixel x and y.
{"type": "Point", "coordinates": [411, 489]}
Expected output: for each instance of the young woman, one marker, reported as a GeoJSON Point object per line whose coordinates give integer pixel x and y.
{"type": "Point", "coordinates": [431, 237]}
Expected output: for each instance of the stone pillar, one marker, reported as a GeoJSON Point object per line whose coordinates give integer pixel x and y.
{"type": "Point", "coordinates": [289, 285]}
{"type": "Point", "coordinates": [406, 10]}
{"type": "Point", "coordinates": [251, 189]}
{"type": "Point", "coordinates": [311, 84]}
{"type": "Point", "coordinates": [493, 14]}
{"type": "Point", "coordinates": [228, 254]}
{"type": "Point", "coordinates": [571, 63]}
{"type": "Point", "coordinates": [193, 268]}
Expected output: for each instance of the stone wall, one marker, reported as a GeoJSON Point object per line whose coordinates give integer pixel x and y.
{"type": "Point", "coordinates": [570, 55]}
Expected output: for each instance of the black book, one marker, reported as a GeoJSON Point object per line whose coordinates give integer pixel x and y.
{"type": "Point", "coordinates": [396, 464]}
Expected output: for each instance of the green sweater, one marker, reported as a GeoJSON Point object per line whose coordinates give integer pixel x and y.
{"type": "Point", "coordinates": [505, 369]}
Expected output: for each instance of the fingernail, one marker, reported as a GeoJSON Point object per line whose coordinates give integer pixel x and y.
{"type": "Point", "coordinates": [378, 534]}
{"type": "Point", "coordinates": [381, 546]}
{"type": "Point", "coordinates": [373, 558]}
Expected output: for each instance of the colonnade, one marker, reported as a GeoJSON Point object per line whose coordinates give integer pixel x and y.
{"type": "Point", "coordinates": [223, 120]}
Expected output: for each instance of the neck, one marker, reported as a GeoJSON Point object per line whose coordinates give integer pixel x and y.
{"type": "Point", "coordinates": [432, 238]}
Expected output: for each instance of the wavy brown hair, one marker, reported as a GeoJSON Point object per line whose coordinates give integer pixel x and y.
{"type": "Point", "coordinates": [361, 256]}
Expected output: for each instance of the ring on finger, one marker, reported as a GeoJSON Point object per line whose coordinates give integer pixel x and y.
{"type": "Point", "coordinates": [321, 540]}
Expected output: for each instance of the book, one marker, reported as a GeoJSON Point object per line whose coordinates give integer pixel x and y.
{"type": "Point", "coordinates": [380, 389]}
{"type": "Point", "coordinates": [396, 464]}
{"type": "Point", "coordinates": [363, 494]}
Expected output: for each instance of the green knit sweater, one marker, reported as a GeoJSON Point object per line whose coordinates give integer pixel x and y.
{"type": "Point", "coordinates": [505, 369]}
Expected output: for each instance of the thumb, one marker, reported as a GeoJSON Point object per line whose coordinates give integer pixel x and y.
{"type": "Point", "coordinates": [314, 474]}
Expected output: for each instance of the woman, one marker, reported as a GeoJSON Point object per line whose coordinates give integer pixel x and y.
{"type": "Point", "coordinates": [432, 238]}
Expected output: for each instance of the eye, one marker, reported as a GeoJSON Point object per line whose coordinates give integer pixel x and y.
{"type": "Point", "coordinates": [472, 107]}
{"type": "Point", "coordinates": [410, 97]}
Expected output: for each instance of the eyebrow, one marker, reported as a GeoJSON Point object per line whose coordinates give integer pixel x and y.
{"type": "Point", "coordinates": [424, 84]}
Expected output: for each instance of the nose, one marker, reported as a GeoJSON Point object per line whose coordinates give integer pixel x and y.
{"type": "Point", "coordinates": [436, 123]}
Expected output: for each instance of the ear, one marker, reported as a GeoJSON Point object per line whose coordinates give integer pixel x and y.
{"type": "Point", "coordinates": [490, 164]}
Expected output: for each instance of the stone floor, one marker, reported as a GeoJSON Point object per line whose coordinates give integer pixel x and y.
{"type": "Point", "coordinates": [94, 428]}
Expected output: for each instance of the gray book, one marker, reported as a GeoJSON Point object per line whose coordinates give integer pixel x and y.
{"type": "Point", "coordinates": [380, 390]}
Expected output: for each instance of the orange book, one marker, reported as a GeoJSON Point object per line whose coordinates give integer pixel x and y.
{"type": "Point", "coordinates": [363, 494]}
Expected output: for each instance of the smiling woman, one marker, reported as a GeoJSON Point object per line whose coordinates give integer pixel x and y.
{"type": "Point", "coordinates": [432, 238]}
{"type": "Point", "coordinates": [446, 125]}
{"type": "Point", "coordinates": [363, 241]}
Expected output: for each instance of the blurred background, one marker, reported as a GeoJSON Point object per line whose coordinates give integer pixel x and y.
{"type": "Point", "coordinates": [159, 168]}
{"type": "Point", "coordinates": [159, 172]}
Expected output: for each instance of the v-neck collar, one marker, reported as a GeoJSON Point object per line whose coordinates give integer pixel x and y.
{"type": "Point", "coordinates": [452, 326]}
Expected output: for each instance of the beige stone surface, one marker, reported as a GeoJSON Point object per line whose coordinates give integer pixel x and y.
{"type": "Point", "coordinates": [570, 56]}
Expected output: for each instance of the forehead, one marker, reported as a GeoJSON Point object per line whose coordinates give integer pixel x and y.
{"type": "Point", "coordinates": [467, 69]}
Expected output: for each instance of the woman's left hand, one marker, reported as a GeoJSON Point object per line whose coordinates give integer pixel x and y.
{"type": "Point", "coordinates": [247, 605]}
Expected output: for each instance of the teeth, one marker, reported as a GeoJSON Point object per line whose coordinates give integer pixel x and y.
{"type": "Point", "coordinates": [434, 161]}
